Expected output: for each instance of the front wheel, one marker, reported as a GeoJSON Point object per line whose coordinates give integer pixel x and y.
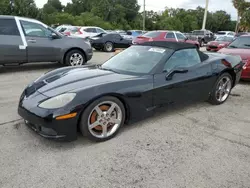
{"type": "Point", "coordinates": [102, 119]}
{"type": "Point", "coordinates": [222, 89]}
{"type": "Point", "coordinates": [75, 58]}
{"type": "Point", "coordinates": [109, 47]}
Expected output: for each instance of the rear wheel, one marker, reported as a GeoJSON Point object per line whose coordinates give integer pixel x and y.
{"type": "Point", "coordinates": [222, 89]}
{"type": "Point", "coordinates": [109, 47]}
{"type": "Point", "coordinates": [75, 58]}
{"type": "Point", "coordinates": [102, 119]}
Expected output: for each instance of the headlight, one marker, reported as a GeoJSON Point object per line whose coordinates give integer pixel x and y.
{"type": "Point", "coordinates": [58, 101]}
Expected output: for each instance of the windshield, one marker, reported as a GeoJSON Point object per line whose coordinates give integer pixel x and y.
{"type": "Point", "coordinates": [221, 33]}
{"type": "Point", "coordinates": [152, 34]}
{"type": "Point", "coordinates": [226, 39]}
{"type": "Point", "coordinates": [136, 59]}
{"type": "Point", "coordinates": [241, 42]}
{"type": "Point", "coordinates": [198, 32]}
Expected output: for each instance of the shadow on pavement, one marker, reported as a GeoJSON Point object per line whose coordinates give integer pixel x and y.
{"type": "Point", "coordinates": [29, 67]}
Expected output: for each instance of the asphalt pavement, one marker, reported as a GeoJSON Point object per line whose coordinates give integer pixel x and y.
{"type": "Point", "coordinates": [197, 146]}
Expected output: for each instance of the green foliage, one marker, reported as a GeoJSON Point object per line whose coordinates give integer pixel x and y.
{"type": "Point", "coordinates": [243, 8]}
{"type": "Point", "coordinates": [121, 14]}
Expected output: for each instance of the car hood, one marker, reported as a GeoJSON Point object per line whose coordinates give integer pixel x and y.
{"type": "Point", "coordinates": [243, 53]}
{"type": "Point", "coordinates": [77, 78]}
{"type": "Point", "coordinates": [218, 42]}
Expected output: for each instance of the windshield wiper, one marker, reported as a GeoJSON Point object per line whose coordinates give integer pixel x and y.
{"type": "Point", "coordinates": [107, 69]}
{"type": "Point", "coordinates": [232, 46]}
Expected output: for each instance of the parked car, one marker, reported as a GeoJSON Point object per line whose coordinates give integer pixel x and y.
{"type": "Point", "coordinates": [224, 34]}
{"type": "Point", "coordinates": [219, 43]}
{"type": "Point", "coordinates": [172, 36]}
{"type": "Point", "coordinates": [98, 100]}
{"type": "Point", "coordinates": [203, 36]}
{"type": "Point", "coordinates": [109, 42]}
{"type": "Point", "coordinates": [85, 32]}
{"type": "Point", "coordinates": [240, 46]}
{"type": "Point", "coordinates": [25, 40]}
{"type": "Point", "coordinates": [62, 28]}
{"type": "Point", "coordinates": [240, 34]}
{"type": "Point", "coordinates": [68, 31]}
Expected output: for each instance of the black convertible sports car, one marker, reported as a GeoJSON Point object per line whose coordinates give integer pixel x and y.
{"type": "Point", "coordinates": [98, 100]}
{"type": "Point", "coordinates": [109, 41]}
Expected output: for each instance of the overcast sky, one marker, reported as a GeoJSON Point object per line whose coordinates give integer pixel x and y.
{"type": "Point", "coordinates": [158, 5]}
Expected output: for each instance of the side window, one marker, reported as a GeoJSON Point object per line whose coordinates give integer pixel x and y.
{"type": "Point", "coordinates": [90, 30]}
{"type": "Point", "coordinates": [62, 29]}
{"type": "Point", "coordinates": [180, 36]}
{"type": "Point", "coordinates": [35, 30]}
{"type": "Point", "coordinates": [100, 30]}
{"type": "Point", "coordinates": [117, 37]}
{"type": "Point", "coordinates": [170, 35]}
{"type": "Point", "coordinates": [8, 27]}
{"type": "Point", "coordinates": [182, 58]}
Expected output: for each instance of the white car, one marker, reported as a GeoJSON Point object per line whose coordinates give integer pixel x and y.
{"type": "Point", "coordinates": [89, 32]}
{"type": "Point", "coordinates": [224, 34]}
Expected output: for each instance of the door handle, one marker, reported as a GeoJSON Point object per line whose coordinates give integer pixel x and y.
{"type": "Point", "coordinates": [32, 40]}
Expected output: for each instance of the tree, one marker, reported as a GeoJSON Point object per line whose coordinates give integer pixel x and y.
{"type": "Point", "coordinates": [26, 8]}
{"type": "Point", "coordinates": [52, 6]}
{"type": "Point", "coordinates": [243, 12]}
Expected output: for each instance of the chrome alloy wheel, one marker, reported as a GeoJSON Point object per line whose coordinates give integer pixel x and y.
{"type": "Point", "coordinates": [223, 89]}
{"type": "Point", "coordinates": [105, 119]}
{"type": "Point", "coordinates": [76, 59]}
{"type": "Point", "coordinates": [109, 46]}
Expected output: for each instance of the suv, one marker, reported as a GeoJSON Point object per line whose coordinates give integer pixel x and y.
{"type": "Point", "coordinates": [224, 34]}
{"type": "Point", "coordinates": [85, 32]}
{"type": "Point", "coordinates": [203, 36]}
{"type": "Point", "coordinates": [25, 40]}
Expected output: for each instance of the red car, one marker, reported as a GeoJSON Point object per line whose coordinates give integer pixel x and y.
{"type": "Point", "coordinates": [240, 46]}
{"type": "Point", "coordinates": [172, 36]}
{"type": "Point", "coordinates": [219, 43]}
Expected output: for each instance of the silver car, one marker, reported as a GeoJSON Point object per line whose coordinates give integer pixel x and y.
{"type": "Point", "coordinates": [24, 40]}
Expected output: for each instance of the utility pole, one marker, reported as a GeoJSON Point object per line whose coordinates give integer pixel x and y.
{"type": "Point", "coordinates": [237, 23]}
{"type": "Point", "coordinates": [205, 16]}
{"type": "Point", "coordinates": [144, 15]}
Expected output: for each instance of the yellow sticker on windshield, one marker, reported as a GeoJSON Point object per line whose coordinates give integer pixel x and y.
{"type": "Point", "coordinates": [159, 50]}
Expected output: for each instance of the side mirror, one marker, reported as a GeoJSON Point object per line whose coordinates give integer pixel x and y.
{"type": "Point", "coordinates": [53, 36]}
{"type": "Point", "coordinates": [170, 75]}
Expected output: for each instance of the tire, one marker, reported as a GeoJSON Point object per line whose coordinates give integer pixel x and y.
{"type": "Point", "coordinates": [202, 43]}
{"type": "Point", "coordinates": [94, 122]}
{"type": "Point", "coordinates": [108, 47]}
{"type": "Point", "coordinates": [219, 89]}
{"type": "Point", "coordinates": [75, 58]}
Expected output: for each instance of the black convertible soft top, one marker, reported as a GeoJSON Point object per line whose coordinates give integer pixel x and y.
{"type": "Point", "coordinates": [175, 46]}
{"type": "Point", "coordinates": [172, 45]}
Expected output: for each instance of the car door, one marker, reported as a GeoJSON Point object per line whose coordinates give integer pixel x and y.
{"type": "Point", "coordinates": [41, 47]}
{"type": "Point", "coordinates": [12, 44]}
{"type": "Point", "coordinates": [91, 32]}
{"type": "Point", "coordinates": [120, 42]}
{"type": "Point", "coordinates": [184, 79]}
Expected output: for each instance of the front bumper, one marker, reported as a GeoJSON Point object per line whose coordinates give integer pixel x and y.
{"type": "Point", "coordinates": [44, 123]}
{"type": "Point", "coordinates": [213, 48]}
{"type": "Point", "coordinates": [246, 73]}
{"type": "Point", "coordinates": [89, 54]}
